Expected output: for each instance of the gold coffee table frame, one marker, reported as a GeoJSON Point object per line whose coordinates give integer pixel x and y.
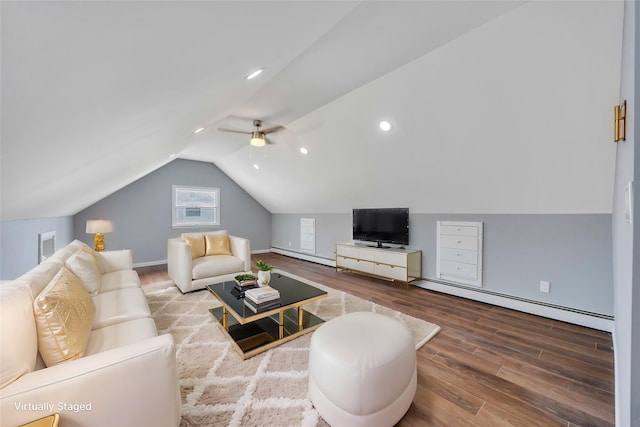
{"type": "Point", "coordinates": [254, 333]}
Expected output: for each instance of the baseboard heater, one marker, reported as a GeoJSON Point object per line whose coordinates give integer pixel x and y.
{"type": "Point", "coordinates": [601, 322]}
{"type": "Point", "coordinates": [589, 319]}
{"type": "Point", "coordinates": [304, 256]}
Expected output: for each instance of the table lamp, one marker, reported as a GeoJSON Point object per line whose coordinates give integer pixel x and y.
{"type": "Point", "coordinates": [99, 227]}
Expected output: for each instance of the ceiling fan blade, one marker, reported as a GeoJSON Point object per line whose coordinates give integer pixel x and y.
{"type": "Point", "coordinates": [273, 129]}
{"type": "Point", "coordinates": [234, 131]}
{"type": "Point", "coordinates": [268, 141]}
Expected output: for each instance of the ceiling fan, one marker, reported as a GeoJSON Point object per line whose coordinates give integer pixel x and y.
{"type": "Point", "coordinates": [258, 137]}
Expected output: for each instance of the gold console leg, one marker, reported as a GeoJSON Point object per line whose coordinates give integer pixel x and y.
{"type": "Point", "coordinates": [281, 324]}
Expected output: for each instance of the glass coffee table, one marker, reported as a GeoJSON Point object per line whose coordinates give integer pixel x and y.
{"type": "Point", "coordinates": [255, 332]}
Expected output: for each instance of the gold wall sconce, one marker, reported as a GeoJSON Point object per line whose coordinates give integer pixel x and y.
{"type": "Point", "coordinates": [620, 122]}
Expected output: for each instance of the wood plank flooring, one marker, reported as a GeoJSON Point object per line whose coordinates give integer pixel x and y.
{"type": "Point", "coordinates": [488, 366]}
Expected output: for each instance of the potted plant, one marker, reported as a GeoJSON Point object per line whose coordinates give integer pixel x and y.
{"type": "Point", "coordinates": [264, 272]}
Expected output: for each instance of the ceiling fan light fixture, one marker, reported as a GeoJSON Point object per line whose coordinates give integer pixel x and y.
{"type": "Point", "coordinates": [257, 139]}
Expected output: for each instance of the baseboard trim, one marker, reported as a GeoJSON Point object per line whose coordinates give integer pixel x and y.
{"type": "Point", "coordinates": [261, 251]}
{"type": "Point", "coordinates": [582, 319]}
{"type": "Point", "coordinates": [305, 257]}
{"type": "Point", "coordinates": [149, 263]}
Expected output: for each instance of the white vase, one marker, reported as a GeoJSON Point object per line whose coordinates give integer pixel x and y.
{"type": "Point", "coordinates": [264, 277]}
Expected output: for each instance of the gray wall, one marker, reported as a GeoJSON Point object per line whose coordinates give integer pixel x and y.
{"type": "Point", "coordinates": [626, 236]}
{"type": "Point", "coordinates": [141, 211]}
{"type": "Point", "coordinates": [19, 242]}
{"type": "Point", "coordinates": [573, 252]}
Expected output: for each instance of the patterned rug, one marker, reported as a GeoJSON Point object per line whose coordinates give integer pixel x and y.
{"type": "Point", "coordinates": [220, 389]}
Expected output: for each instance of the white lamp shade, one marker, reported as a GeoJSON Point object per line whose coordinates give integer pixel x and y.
{"type": "Point", "coordinates": [99, 226]}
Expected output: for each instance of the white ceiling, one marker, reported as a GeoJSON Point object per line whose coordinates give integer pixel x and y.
{"type": "Point", "coordinates": [493, 103]}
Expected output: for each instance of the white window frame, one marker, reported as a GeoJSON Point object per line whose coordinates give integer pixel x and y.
{"type": "Point", "coordinates": [177, 219]}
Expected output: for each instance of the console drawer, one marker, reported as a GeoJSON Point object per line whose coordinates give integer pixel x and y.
{"type": "Point", "coordinates": [391, 272]}
{"type": "Point", "coordinates": [391, 258]}
{"type": "Point", "coordinates": [348, 251]}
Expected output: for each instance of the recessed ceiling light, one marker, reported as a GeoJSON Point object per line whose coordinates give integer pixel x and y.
{"type": "Point", "coordinates": [256, 166]}
{"type": "Point", "coordinates": [255, 74]}
{"type": "Point", "coordinates": [198, 130]}
{"type": "Point", "coordinates": [385, 125]}
{"type": "Point", "coordinates": [304, 150]}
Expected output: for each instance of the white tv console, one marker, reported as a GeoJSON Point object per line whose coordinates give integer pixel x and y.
{"type": "Point", "coordinates": [404, 265]}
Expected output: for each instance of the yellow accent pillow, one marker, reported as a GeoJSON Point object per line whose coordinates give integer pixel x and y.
{"type": "Point", "coordinates": [64, 312]}
{"type": "Point", "coordinates": [217, 244]}
{"type": "Point", "coordinates": [196, 244]}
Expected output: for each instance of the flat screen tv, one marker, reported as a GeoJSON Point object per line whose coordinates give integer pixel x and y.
{"type": "Point", "coordinates": [383, 225]}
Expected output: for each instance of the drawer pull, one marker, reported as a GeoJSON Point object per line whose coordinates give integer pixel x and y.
{"type": "Point", "coordinates": [458, 241]}
{"type": "Point", "coordinates": [457, 268]}
{"type": "Point", "coordinates": [458, 254]}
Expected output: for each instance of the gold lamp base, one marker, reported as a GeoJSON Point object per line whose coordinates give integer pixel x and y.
{"type": "Point", "coordinates": [98, 242]}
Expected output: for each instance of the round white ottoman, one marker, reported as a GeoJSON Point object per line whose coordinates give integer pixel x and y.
{"type": "Point", "coordinates": [362, 370]}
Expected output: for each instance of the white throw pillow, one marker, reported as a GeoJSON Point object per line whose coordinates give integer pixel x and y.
{"type": "Point", "coordinates": [83, 263]}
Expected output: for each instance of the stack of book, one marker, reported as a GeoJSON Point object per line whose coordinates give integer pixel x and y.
{"type": "Point", "coordinates": [262, 299]}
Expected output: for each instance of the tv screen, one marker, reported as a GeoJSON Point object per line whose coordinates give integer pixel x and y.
{"type": "Point", "coordinates": [384, 225]}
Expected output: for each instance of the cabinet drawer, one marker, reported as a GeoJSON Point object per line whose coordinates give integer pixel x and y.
{"type": "Point", "coordinates": [458, 269]}
{"type": "Point", "coordinates": [459, 255]}
{"type": "Point", "coordinates": [356, 264]}
{"type": "Point", "coordinates": [392, 272]}
{"type": "Point", "coordinates": [459, 230]}
{"type": "Point", "coordinates": [348, 251]}
{"type": "Point", "coordinates": [391, 258]}
{"type": "Point", "coordinates": [459, 242]}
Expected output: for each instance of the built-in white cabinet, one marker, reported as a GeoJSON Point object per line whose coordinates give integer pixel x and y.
{"type": "Point", "coordinates": [404, 265]}
{"type": "Point", "coordinates": [459, 252]}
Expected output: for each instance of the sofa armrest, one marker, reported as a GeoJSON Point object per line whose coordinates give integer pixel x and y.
{"type": "Point", "coordinates": [111, 261]}
{"type": "Point", "coordinates": [179, 263]}
{"type": "Point", "coordinates": [133, 385]}
{"type": "Point", "coordinates": [241, 248]}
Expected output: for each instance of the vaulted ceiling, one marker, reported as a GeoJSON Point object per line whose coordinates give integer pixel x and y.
{"type": "Point", "coordinates": [495, 106]}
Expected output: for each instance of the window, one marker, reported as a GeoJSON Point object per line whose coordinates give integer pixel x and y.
{"type": "Point", "coordinates": [195, 206]}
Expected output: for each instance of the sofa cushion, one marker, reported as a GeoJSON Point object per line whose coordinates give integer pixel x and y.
{"type": "Point", "coordinates": [120, 280]}
{"type": "Point", "coordinates": [83, 263]}
{"type": "Point", "coordinates": [63, 311]}
{"type": "Point", "coordinates": [115, 260]}
{"type": "Point", "coordinates": [216, 244]}
{"type": "Point", "coordinates": [19, 339]}
{"type": "Point", "coordinates": [216, 265]}
{"type": "Point", "coordinates": [40, 276]}
{"type": "Point", "coordinates": [196, 244]}
{"type": "Point", "coordinates": [121, 334]}
{"type": "Point", "coordinates": [120, 305]}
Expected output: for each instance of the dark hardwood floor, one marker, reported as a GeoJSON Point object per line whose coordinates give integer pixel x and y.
{"type": "Point", "coordinates": [488, 366]}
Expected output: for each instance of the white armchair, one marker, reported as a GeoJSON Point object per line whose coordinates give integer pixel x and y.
{"type": "Point", "coordinates": [192, 268]}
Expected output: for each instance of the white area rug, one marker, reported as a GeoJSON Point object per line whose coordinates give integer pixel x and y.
{"type": "Point", "coordinates": [220, 389]}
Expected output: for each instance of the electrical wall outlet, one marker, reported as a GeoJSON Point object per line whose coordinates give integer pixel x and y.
{"type": "Point", "coordinates": [545, 286]}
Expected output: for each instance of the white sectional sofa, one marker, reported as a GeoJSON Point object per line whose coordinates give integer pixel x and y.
{"type": "Point", "coordinates": [77, 339]}
{"type": "Point", "coordinates": [196, 260]}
